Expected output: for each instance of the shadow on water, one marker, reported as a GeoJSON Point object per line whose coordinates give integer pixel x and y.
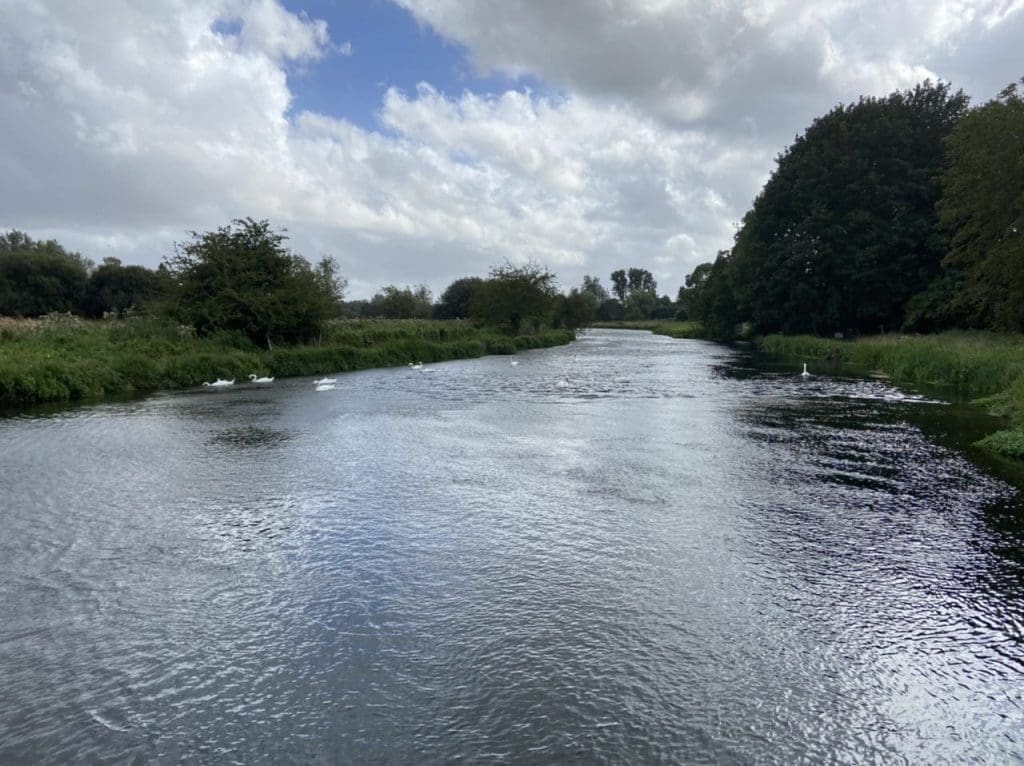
{"type": "Point", "coordinates": [891, 460]}
{"type": "Point", "coordinates": [249, 437]}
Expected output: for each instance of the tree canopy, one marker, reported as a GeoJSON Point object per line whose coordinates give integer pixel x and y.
{"type": "Point", "coordinates": [242, 278]}
{"type": "Point", "coordinates": [39, 277]}
{"type": "Point", "coordinates": [456, 298]}
{"type": "Point", "coordinates": [982, 210]}
{"type": "Point", "coordinates": [845, 230]}
{"type": "Point", "coordinates": [114, 288]}
{"type": "Point", "coordinates": [516, 297]}
{"type": "Point", "coordinates": [393, 302]}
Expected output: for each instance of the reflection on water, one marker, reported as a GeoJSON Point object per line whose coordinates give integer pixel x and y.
{"type": "Point", "coordinates": [632, 549]}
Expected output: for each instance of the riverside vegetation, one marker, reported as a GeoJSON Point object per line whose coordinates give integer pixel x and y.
{"type": "Point", "coordinates": [62, 357]}
{"type": "Point", "coordinates": [235, 301]}
{"type": "Point", "coordinates": [899, 213]}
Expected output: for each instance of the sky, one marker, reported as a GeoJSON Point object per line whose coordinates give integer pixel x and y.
{"type": "Point", "coordinates": [420, 141]}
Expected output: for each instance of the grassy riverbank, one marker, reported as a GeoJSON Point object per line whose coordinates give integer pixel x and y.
{"type": "Point", "coordinates": [671, 328]}
{"type": "Point", "coordinates": [987, 367]}
{"type": "Point", "coordinates": [66, 359]}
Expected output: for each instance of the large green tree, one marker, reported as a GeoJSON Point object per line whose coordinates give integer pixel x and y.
{"type": "Point", "coordinates": [516, 298]}
{"type": "Point", "coordinates": [242, 278]}
{"type": "Point", "coordinates": [592, 285]}
{"type": "Point", "coordinates": [456, 298]}
{"type": "Point", "coordinates": [577, 309]}
{"type": "Point", "coordinates": [982, 209]}
{"type": "Point", "coordinates": [845, 230]}
{"type": "Point", "coordinates": [37, 277]}
{"type": "Point", "coordinates": [113, 288]}
{"type": "Point", "coordinates": [709, 297]}
{"type": "Point", "coordinates": [620, 284]}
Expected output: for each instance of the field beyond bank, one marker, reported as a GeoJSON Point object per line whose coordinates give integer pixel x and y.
{"type": "Point", "coordinates": [63, 358]}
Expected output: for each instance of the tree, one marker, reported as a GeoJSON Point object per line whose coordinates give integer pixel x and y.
{"type": "Point", "coordinates": [641, 304]}
{"type": "Point", "coordinates": [331, 284]}
{"type": "Point", "coordinates": [610, 310]}
{"type": "Point", "coordinates": [575, 310]}
{"type": "Point", "coordinates": [394, 302]}
{"type": "Point", "coordinates": [114, 288]}
{"type": "Point", "coordinates": [982, 210]}
{"type": "Point", "coordinates": [593, 286]}
{"type": "Point", "coordinates": [715, 304]}
{"type": "Point", "coordinates": [39, 277]}
{"type": "Point", "coordinates": [242, 278]}
{"type": "Point", "coordinates": [620, 284]}
{"type": "Point", "coordinates": [641, 281]}
{"type": "Point", "coordinates": [515, 297]}
{"type": "Point", "coordinates": [845, 230]}
{"type": "Point", "coordinates": [456, 298]}
{"type": "Point", "coordinates": [692, 295]}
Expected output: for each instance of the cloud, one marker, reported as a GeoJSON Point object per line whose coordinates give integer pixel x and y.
{"type": "Point", "coordinates": [660, 127]}
{"type": "Point", "coordinates": [766, 67]}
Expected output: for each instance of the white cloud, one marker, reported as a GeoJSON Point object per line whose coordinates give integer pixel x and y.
{"type": "Point", "coordinates": [763, 66]}
{"type": "Point", "coordinates": [128, 126]}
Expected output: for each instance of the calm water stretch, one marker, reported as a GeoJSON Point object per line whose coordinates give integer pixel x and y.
{"type": "Point", "coordinates": [628, 550]}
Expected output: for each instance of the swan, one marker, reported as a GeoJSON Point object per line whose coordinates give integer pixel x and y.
{"type": "Point", "coordinates": [324, 386]}
{"type": "Point", "coordinates": [563, 383]}
{"type": "Point", "coordinates": [417, 366]}
{"type": "Point", "coordinates": [805, 374]}
{"type": "Point", "coordinates": [513, 362]}
{"type": "Point", "coordinates": [325, 381]}
{"type": "Point", "coordinates": [220, 383]}
{"type": "Point", "coordinates": [254, 379]}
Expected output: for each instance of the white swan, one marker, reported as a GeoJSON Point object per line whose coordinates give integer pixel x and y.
{"type": "Point", "coordinates": [563, 383]}
{"type": "Point", "coordinates": [254, 379]}
{"type": "Point", "coordinates": [417, 366]}
{"type": "Point", "coordinates": [805, 374]}
{"type": "Point", "coordinates": [220, 383]}
{"type": "Point", "coordinates": [324, 387]}
{"type": "Point", "coordinates": [325, 381]}
{"type": "Point", "coordinates": [513, 362]}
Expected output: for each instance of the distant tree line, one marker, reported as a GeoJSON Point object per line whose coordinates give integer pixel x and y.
{"type": "Point", "coordinates": [39, 277]}
{"type": "Point", "coordinates": [243, 279]}
{"type": "Point", "coordinates": [903, 212]}
{"type": "Point", "coordinates": [524, 299]}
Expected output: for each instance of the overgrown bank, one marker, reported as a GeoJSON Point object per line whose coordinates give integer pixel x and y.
{"type": "Point", "coordinates": [986, 367]}
{"type": "Point", "coordinates": [67, 359]}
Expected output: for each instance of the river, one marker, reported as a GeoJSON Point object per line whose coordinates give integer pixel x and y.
{"type": "Point", "coordinates": [632, 549]}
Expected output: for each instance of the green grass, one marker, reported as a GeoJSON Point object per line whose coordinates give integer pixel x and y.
{"type": "Point", "coordinates": [65, 359]}
{"type": "Point", "coordinates": [671, 328]}
{"type": "Point", "coordinates": [986, 367]}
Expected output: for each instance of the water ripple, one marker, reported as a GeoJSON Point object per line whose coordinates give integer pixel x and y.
{"type": "Point", "coordinates": [632, 549]}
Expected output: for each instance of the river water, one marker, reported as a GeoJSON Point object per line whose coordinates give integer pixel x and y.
{"type": "Point", "coordinates": [631, 549]}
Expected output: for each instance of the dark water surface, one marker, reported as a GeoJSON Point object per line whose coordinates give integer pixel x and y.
{"type": "Point", "coordinates": [632, 549]}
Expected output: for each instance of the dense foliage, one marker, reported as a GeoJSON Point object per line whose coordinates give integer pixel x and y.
{"type": "Point", "coordinates": [982, 210]}
{"type": "Point", "coordinates": [455, 300]}
{"type": "Point", "coordinates": [515, 298]}
{"type": "Point", "coordinates": [241, 278]}
{"type": "Point", "coordinates": [845, 231]}
{"type": "Point", "coordinates": [39, 277]}
{"type": "Point", "coordinates": [393, 302]}
{"type": "Point", "coordinates": [898, 212]}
